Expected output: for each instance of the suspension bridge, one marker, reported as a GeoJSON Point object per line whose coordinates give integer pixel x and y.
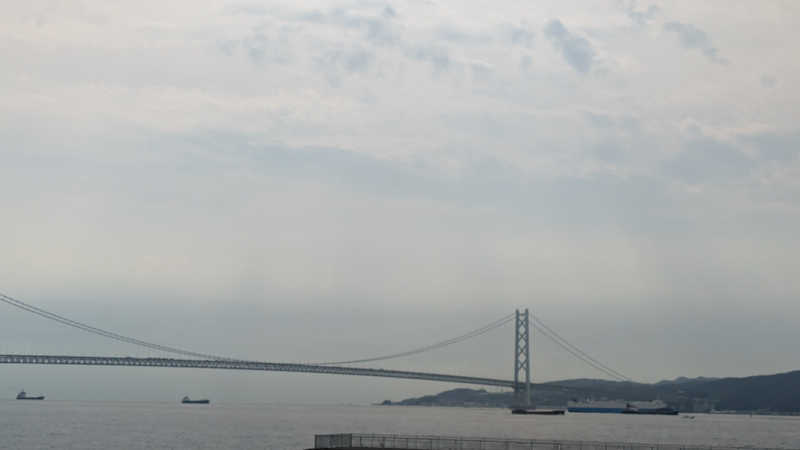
{"type": "Point", "coordinates": [521, 382]}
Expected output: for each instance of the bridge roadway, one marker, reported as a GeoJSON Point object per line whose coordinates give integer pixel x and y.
{"type": "Point", "coordinates": [246, 365]}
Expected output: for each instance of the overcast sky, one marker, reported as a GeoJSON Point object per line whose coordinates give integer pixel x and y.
{"type": "Point", "coordinates": [307, 181]}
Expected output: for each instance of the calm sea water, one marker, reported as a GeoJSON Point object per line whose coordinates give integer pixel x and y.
{"type": "Point", "coordinates": [116, 425]}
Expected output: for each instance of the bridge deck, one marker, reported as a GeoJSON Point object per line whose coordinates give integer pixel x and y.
{"type": "Point", "coordinates": [246, 365]}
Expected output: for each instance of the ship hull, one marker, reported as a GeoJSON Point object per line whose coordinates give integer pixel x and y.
{"type": "Point", "coordinates": [540, 412]}
{"type": "Point", "coordinates": [658, 412]}
{"type": "Point", "coordinates": [662, 412]}
{"type": "Point", "coordinates": [621, 407]}
{"type": "Point", "coordinates": [589, 409]}
{"type": "Point", "coordinates": [41, 397]}
{"type": "Point", "coordinates": [195, 402]}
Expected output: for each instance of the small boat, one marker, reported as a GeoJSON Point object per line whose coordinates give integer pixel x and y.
{"type": "Point", "coordinates": [24, 396]}
{"type": "Point", "coordinates": [202, 401]}
{"type": "Point", "coordinates": [540, 412]}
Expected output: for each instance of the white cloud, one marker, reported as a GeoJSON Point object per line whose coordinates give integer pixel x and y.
{"type": "Point", "coordinates": [576, 49]}
{"type": "Point", "coordinates": [694, 38]}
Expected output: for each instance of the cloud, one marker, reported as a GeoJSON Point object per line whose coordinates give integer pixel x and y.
{"type": "Point", "coordinates": [247, 9]}
{"type": "Point", "coordinates": [576, 50]}
{"type": "Point", "coordinates": [641, 17]}
{"type": "Point", "coordinates": [344, 61]}
{"type": "Point", "coordinates": [522, 35]}
{"type": "Point", "coordinates": [707, 160]}
{"type": "Point", "coordinates": [262, 45]}
{"type": "Point", "coordinates": [376, 27]}
{"type": "Point", "coordinates": [461, 35]}
{"type": "Point", "coordinates": [777, 147]}
{"type": "Point", "coordinates": [257, 46]}
{"type": "Point", "coordinates": [436, 55]}
{"type": "Point", "coordinates": [692, 37]}
{"type": "Point", "coordinates": [480, 70]}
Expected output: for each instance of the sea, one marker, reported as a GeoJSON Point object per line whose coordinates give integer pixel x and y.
{"type": "Point", "coordinates": [170, 425]}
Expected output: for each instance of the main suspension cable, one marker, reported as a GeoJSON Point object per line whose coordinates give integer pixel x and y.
{"type": "Point", "coordinates": [474, 333]}
{"type": "Point", "coordinates": [107, 334]}
{"type": "Point", "coordinates": [575, 351]}
{"type": "Point", "coordinates": [168, 349]}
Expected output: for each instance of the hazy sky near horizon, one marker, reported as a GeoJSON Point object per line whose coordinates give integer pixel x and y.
{"type": "Point", "coordinates": [306, 181]}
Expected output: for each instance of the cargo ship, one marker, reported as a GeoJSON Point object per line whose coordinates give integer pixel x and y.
{"type": "Point", "coordinates": [621, 406]}
{"type": "Point", "coordinates": [203, 401]}
{"type": "Point", "coordinates": [24, 396]}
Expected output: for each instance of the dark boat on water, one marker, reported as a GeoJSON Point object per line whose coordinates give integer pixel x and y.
{"type": "Point", "coordinates": [24, 396]}
{"type": "Point", "coordinates": [662, 411]}
{"type": "Point", "coordinates": [187, 400]}
{"type": "Point", "coordinates": [540, 412]}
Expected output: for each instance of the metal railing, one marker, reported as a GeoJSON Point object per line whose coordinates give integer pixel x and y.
{"type": "Point", "coordinates": [412, 442]}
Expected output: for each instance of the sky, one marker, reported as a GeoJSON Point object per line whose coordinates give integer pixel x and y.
{"type": "Point", "coordinates": [316, 181]}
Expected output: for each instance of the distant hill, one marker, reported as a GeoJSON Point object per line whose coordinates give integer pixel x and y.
{"type": "Point", "coordinates": [778, 393]}
{"type": "Point", "coordinates": [683, 380]}
{"type": "Point", "coordinates": [462, 397]}
{"type": "Point", "coordinates": [762, 393]}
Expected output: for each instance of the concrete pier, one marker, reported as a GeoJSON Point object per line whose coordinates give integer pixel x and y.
{"type": "Point", "coordinates": [412, 442]}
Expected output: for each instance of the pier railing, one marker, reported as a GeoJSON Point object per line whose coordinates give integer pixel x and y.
{"type": "Point", "coordinates": [412, 442]}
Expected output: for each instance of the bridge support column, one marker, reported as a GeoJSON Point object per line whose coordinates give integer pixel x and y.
{"type": "Point", "coordinates": [522, 359]}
